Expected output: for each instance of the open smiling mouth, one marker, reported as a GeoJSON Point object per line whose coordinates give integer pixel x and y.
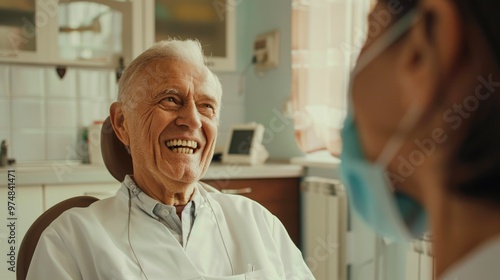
{"type": "Point", "coordinates": [182, 146]}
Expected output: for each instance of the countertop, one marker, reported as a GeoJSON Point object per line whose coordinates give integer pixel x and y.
{"type": "Point", "coordinates": [69, 172]}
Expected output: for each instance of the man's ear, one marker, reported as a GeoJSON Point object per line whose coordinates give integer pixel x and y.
{"type": "Point", "coordinates": [431, 51]}
{"type": "Point", "coordinates": [117, 118]}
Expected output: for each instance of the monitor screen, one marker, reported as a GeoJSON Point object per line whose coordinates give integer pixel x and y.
{"type": "Point", "coordinates": [241, 141]}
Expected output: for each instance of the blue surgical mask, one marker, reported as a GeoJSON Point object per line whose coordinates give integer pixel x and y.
{"type": "Point", "coordinates": [391, 214]}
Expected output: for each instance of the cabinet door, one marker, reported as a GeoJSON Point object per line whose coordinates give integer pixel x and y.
{"type": "Point", "coordinates": [28, 206]}
{"type": "Point", "coordinates": [57, 193]}
{"type": "Point", "coordinates": [279, 196]}
{"type": "Point", "coordinates": [93, 32]}
{"type": "Point", "coordinates": [22, 32]}
{"type": "Point", "coordinates": [212, 22]}
{"type": "Point", "coordinates": [70, 32]}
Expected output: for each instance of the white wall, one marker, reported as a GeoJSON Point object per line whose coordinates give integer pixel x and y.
{"type": "Point", "coordinates": [42, 116]}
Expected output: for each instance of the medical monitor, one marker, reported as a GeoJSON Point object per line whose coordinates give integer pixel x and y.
{"type": "Point", "coordinates": [244, 144]}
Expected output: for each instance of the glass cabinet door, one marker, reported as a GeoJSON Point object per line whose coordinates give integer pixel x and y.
{"type": "Point", "coordinates": [209, 21]}
{"type": "Point", "coordinates": [17, 27]}
{"type": "Point", "coordinates": [92, 31]}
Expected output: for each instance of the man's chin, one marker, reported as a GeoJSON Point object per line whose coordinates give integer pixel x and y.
{"type": "Point", "coordinates": [183, 175]}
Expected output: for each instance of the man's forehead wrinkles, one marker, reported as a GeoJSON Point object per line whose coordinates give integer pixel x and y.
{"type": "Point", "coordinates": [165, 74]}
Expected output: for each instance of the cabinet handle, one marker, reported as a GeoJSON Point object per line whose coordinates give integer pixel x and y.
{"type": "Point", "coordinates": [237, 191]}
{"type": "Point", "coordinates": [8, 54]}
{"type": "Point", "coordinates": [97, 194]}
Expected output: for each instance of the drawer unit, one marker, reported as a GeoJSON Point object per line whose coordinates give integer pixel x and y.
{"type": "Point", "coordinates": [279, 196]}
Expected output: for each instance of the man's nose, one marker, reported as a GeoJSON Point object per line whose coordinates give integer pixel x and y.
{"type": "Point", "coordinates": [189, 116]}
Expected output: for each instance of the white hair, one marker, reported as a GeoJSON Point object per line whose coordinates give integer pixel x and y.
{"type": "Point", "coordinates": [132, 80]}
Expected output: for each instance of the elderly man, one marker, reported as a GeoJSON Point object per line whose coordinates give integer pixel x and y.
{"type": "Point", "coordinates": [162, 223]}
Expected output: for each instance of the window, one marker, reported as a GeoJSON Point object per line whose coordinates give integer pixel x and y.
{"type": "Point", "coordinates": [327, 36]}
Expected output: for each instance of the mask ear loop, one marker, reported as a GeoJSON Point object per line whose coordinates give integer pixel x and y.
{"type": "Point", "coordinates": [128, 235]}
{"type": "Point", "coordinates": [379, 46]}
{"type": "Point", "coordinates": [390, 37]}
{"type": "Point", "coordinates": [412, 117]}
{"type": "Point", "coordinates": [396, 141]}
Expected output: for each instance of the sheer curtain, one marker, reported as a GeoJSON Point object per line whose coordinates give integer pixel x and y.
{"type": "Point", "coordinates": [327, 36]}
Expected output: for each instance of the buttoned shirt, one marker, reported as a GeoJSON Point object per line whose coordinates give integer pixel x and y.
{"type": "Point", "coordinates": [166, 214]}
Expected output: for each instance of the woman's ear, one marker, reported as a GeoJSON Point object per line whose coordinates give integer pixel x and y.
{"type": "Point", "coordinates": [117, 118]}
{"type": "Point", "coordinates": [431, 51]}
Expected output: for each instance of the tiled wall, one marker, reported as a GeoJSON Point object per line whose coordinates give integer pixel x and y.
{"type": "Point", "coordinates": [41, 115]}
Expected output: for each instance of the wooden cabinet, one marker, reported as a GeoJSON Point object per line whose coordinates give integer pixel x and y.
{"type": "Point", "coordinates": [279, 196]}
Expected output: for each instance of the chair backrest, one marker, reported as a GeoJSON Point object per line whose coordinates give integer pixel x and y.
{"type": "Point", "coordinates": [116, 157]}
{"type": "Point", "coordinates": [32, 236]}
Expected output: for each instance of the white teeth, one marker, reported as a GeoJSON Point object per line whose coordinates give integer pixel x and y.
{"type": "Point", "coordinates": [189, 144]}
{"type": "Point", "coordinates": [182, 146]}
{"type": "Point", "coordinates": [183, 150]}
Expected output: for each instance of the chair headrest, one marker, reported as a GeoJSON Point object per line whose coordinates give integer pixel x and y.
{"type": "Point", "coordinates": [116, 157]}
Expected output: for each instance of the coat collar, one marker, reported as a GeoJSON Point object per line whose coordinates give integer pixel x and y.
{"type": "Point", "coordinates": [480, 264]}
{"type": "Point", "coordinates": [152, 244]}
{"type": "Point", "coordinates": [147, 203]}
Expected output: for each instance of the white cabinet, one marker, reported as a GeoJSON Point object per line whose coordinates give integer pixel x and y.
{"type": "Point", "coordinates": [212, 22]}
{"type": "Point", "coordinates": [419, 261]}
{"type": "Point", "coordinates": [92, 32]}
{"type": "Point", "coordinates": [30, 202]}
{"type": "Point", "coordinates": [56, 193]}
{"type": "Point", "coordinates": [70, 32]}
{"type": "Point", "coordinates": [22, 32]}
{"type": "Point", "coordinates": [28, 207]}
{"type": "Point", "coordinates": [99, 32]}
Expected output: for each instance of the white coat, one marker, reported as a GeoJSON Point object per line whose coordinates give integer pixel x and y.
{"type": "Point", "coordinates": [481, 264]}
{"type": "Point", "coordinates": [230, 235]}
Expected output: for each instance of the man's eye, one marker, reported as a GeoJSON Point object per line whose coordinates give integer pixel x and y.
{"type": "Point", "coordinates": [206, 105]}
{"type": "Point", "coordinates": [207, 109]}
{"type": "Point", "coordinates": [170, 99]}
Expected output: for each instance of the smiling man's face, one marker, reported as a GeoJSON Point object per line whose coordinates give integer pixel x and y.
{"type": "Point", "coordinates": [172, 123]}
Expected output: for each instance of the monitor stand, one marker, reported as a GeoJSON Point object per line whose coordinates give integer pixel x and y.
{"type": "Point", "coordinates": [259, 155]}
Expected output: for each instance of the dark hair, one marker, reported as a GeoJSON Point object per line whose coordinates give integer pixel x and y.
{"type": "Point", "coordinates": [485, 13]}
{"type": "Point", "coordinates": [476, 164]}
{"type": "Point", "coordinates": [403, 6]}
